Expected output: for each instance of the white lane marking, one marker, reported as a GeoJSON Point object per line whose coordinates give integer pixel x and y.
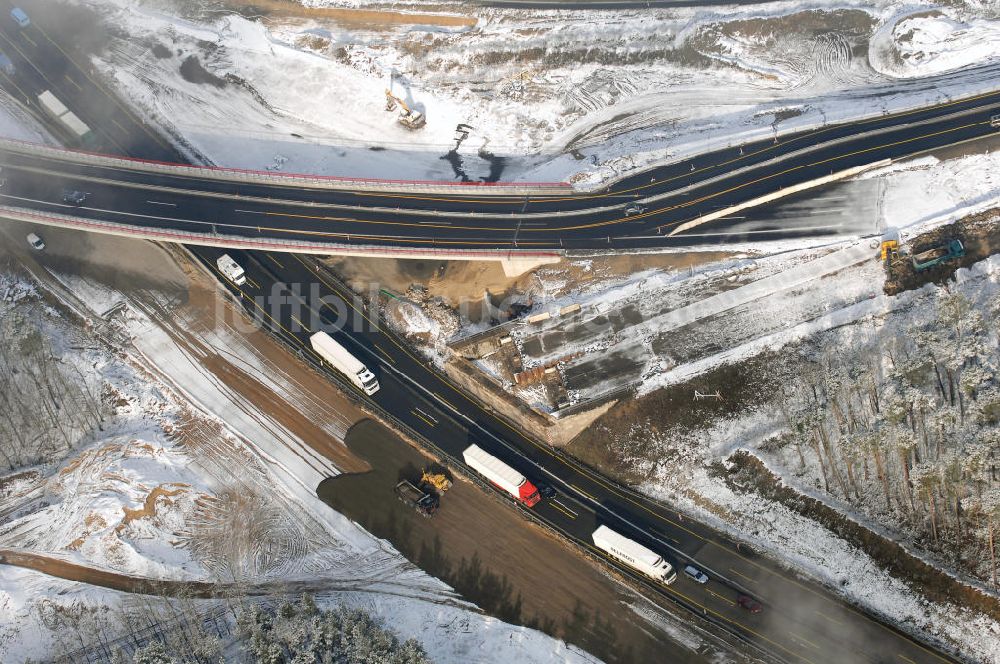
{"type": "Point", "coordinates": [436, 223]}
{"type": "Point", "coordinates": [563, 505]}
{"type": "Point", "coordinates": [432, 419]}
{"type": "Point", "coordinates": [250, 211]}
{"type": "Point", "coordinates": [162, 203]}
{"type": "Point", "coordinates": [187, 221]}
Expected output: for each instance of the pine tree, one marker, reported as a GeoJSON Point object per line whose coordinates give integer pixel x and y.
{"type": "Point", "coordinates": [152, 653]}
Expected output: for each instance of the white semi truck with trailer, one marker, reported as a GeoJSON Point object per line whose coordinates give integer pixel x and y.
{"type": "Point", "coordinates": [501, 475]}
{"type": "Point", "coordinates": [635, 555]}
{"type": "Point", "coordinates": [341, 359]}
{"type": "Point", "coordinates": [66, 119]}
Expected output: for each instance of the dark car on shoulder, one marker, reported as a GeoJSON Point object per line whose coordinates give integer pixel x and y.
{"type": "Point", "coordinates": [545, 490]}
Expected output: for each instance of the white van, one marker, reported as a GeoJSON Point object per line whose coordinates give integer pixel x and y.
{"type": "Point", "coordinates": [231, 269]}
{"type": "Point", "coordinates": [36, 242]}
{"type": "Point", "coordinates": [20, 17]}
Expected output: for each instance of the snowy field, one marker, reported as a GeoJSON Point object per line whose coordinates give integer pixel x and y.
{"type": "Point", "coordinates": [171, 474]}
{"type": "Point", "coordinates": [577, 96]}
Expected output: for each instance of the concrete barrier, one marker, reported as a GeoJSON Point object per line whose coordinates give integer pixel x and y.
{"type": "Point", "coordinates": [292, 179]}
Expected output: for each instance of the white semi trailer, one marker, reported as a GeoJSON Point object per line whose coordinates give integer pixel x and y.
{"type": "Point", "coordinates": [342, 360]}
{"type": "Point", "coordinates": [66, 118]}
{"type": "Point", "coordinates": [501, 475]}
{"type": "Point", "coordinates": [634, 555]}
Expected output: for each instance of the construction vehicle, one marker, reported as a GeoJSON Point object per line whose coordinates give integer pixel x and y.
{"type": "Point", "coordinates": [925, 260]}
{"type": "Point", "coordinates": [890, 250]}
{"type": "Point", "coordinates": [438, 481]}
{"type": "Point", "coordinates": [425, 502]}
{"type": "Point", "coordinates": [408, 117]}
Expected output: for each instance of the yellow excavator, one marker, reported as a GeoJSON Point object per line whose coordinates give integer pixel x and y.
{"type": "Point", "coordinates": [407, 116]}
{"type": "Point", "coordinates": [439, 481]}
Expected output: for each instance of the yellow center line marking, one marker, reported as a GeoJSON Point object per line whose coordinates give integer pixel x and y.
{"type": "Point", "coordinates": [426, 414]}
{"type": "Point", "coordinates": [46, 78]}
{"type": "Point", "coordinates": [803, 138]}
{"type": "Point", "coordinates": [301, 324]}
{"type": "Point", "coordinates": [429, 423]}
{"type": "Point", "coordinates": [555, 501]}
{"type": "Point", "coordinates": [831, 619]}
{"type": "Point", "coordinates": [119, 125]}
{"type": "Point", "coordinates": [33, 42]}
{"type": "Point", "coordinates": [724, 599]}
{"type": "Point", "coordinates": [739, 573]}
{"type": "Point", "coordinates": [384, 353]}
{"type": "Point", "coordinates": [595, 224]}
{"type": "Point", "coordinates": [804, 640]}
{"type": "Point", "coordinates": [253, 283]}
{"type": "Point", "coordinates": [275, 261]}
{"type": "Point", "coordinates": [75, 84]}
{"type": "Point", "coordinates": [564, 511]}
{"type": "Point", "coordinates": [444, 401]}
{"type": "Point", "coordinates": [570, 463]}
{"type": "Point", "coordinates": [584, 492]}
{"type": "Point", "coordinates": [905, 658]}
{"type": "Point", "coordinates": [112, 98]}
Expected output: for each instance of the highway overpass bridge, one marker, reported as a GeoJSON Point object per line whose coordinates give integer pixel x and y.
{"type": "Point", "coordinates": [661, 207]}
{"type": "Point", "coordinates": [690, 202]}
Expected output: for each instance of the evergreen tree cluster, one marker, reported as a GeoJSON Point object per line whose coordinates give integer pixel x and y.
{"type": "Point", "coordinates": [302, 633]}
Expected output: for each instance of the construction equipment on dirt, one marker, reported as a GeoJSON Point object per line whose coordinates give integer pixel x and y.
{"type": "Point", "coordinates": [425, 502]}
{"type": "Point", "coordinates": [889, 250]}
{"type": "Point", "coordinates": [438, 481]}
{"type": "Point", "coordinates": [934, 256]}
{"type": "Point", "coordinates": [408, 117]}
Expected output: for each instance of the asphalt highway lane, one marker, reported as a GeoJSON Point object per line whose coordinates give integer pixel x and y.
{"type": "Point", "coordinates": [801, 622]}
{"type": "Point", "coordinates": [260, 212]}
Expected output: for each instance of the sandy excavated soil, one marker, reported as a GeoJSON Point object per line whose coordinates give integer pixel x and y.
{"type": "Point", "coordinates": [524, 573]}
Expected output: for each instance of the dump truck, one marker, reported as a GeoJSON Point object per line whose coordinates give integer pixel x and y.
{"type": "Point", "coordinates": [425, 502]}
{"type": "Point", "coordinates": [501, 475]}
{"type": "Point", "coordinates": [925, 260]}
{"type": "Point", "coordinates": [67, 119]}
{"type": "Point", "coordinates": [341, 359]}
{"type": "Point", "coordinates": [635, 555]}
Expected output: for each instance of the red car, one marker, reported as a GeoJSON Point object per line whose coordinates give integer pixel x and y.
{"type": "Point", "coordinates": [749, 603]}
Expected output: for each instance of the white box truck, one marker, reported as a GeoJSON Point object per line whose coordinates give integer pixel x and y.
{"type": "Point", "coordinates": [501, 475]}
{"type": "Point", "coordinates": [634, 555]}
{"type": "Point", "coordinates": [65, 117]}
{"type": "Point", "coordinates": [231, 269]}
{"type": "Point", "coordinates": [342, 360]}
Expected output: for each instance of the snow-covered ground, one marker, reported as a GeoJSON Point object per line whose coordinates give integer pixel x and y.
{"type": "Point", "coordinates": [799, 540]}
{"type": "Point", "coordinates": [579, 96]}
{"type": "Point", "coordinates": [188, 479]}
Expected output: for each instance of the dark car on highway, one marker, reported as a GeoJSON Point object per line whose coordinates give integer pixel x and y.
{"type": "Point", "coordinates": [749, 603]}
{"type": "Point", "coordinates": [74, 197]}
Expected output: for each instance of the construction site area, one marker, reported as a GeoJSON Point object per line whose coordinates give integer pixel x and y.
{"type": "Point", "coordinates": [578, 351]}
